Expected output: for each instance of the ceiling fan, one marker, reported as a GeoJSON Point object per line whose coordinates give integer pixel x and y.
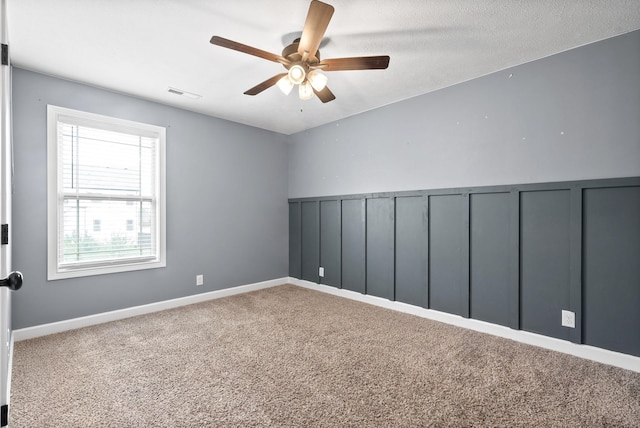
{"type": "Point", "coordinates": [302, 58]}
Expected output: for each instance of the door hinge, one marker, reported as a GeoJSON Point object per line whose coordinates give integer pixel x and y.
{"type": "Point", "coordinates": [5, 54]}
{"type": "Point", "coordinates": [4, 415]}
{"type": "Point", "coordinates": [4, 235]}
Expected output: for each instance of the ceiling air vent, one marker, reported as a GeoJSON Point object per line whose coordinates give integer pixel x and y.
{"type": "Point", "coordinates": [184, 93]}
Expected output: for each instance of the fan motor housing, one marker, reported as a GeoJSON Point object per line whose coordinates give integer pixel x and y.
{"type": "Point", "coordinates": [291, 53]}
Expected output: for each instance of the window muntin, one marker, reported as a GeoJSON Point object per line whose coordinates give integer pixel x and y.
{"type": "Point", "coordinates": [106, 194]}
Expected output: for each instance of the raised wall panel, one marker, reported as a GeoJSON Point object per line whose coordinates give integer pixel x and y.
{"type": "Point", "coordinates": [295, 239]}
{"type": "Point", "coordinates": [330, 242]}
{"type": "Point", "coordinates": [611, 273]}
{"type": "Point", "coordinates": [380, 247]}
{"type": "Point", "coordinates": [544, 261]}
{"type": "Point", "coordinates": [353, 245]}
{"type": "Point", "coordinates": [310, 241]}
{"type": "Point", "coordinates": [448, 288]}
{"type": "Point", "coordinates": [512, 255]}
{"type": "Point", "coordinates": [412, 223]}
{"type": "Point", "coordinates": [490, 256]}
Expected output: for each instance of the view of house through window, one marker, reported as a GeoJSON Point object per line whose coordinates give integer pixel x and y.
{"type": "Point", "coordinates": [103, 172]}
{"type": "Point", "coordinates": [108, 194]}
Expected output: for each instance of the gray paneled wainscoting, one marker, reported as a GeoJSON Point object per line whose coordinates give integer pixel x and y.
{"type": "Point", "coordinates": [514, 255]}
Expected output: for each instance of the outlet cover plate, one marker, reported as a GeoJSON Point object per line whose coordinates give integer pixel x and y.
{"type": "Point", "coordinates": [199, 279]}
{"type": "Point", "coordinates": [568, 319]}
{"type": "Point", "coordinates": [321, 272]}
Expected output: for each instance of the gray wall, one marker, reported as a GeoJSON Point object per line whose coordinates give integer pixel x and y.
{"type": "Point", "coordinates": [509, 221]}
{"type": "Point", "coordinates": [571, 116]}
{"type": "Point", "coordinates": [227, 212]}
{"type": "Point", "coordinates": [514, 255]}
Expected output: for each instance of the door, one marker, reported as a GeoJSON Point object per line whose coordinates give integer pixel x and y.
{"type": "Point", "coordinates": [5, 219]}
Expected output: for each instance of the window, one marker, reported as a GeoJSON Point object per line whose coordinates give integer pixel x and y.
{"type": "Point", "coordinates": [106, 194]}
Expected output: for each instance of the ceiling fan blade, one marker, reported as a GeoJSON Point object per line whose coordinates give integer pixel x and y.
{"type": "Point", "coordinates": [355, 63]}
{"type": "Point", "coordinates": [325, 95]}
{"type": "Point", "coordinates": [265, 85]}
{"type": "Point", "coordinates": [230, 44]}
{"type": "Point", "coordinates": [316, 24]}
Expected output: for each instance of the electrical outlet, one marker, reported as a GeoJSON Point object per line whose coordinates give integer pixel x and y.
{"type": "Point", "coordinates": [321, 272]}
{"type": "Point", "coordinates": [199, 279]}
{"type": "Point", "coordinates": [568, 319]}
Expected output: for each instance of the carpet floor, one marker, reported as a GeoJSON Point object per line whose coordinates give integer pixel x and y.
{"type": "Point", "coordinates": [292, 357]}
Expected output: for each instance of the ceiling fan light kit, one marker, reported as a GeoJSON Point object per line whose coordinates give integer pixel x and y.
{"type": "Point", "coordinates": [297, 74]}
{"type": "Point", "coordinates": [285, 84]}
{"type": "Point", "coordinates": [317, 80]}
{"type": "Point", "coordinates": [302, 59]}
{"type": "Point", "coordinates": [314, 80]}
{"type": "Point", "coordinates": [305, 90]}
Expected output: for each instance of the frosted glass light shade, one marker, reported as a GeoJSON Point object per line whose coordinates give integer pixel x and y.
{"type": "Point", "coordinates": [297, 74]}
{"type": "Point", "coordinates": [285, 84]}
{"type": "Point", "coordinates": [305, 91]}
{"type": "Point", "coordinates": [317, 79]}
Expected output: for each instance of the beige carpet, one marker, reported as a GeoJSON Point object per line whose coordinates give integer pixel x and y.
{"type": "Point", "coordinates": [292, 357]}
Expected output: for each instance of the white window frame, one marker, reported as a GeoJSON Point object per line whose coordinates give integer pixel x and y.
{"type": "Point", "coordinates": [55, 194]}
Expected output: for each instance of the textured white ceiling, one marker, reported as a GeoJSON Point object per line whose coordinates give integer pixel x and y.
{"type": "Point", "coordinates": [143, 47]}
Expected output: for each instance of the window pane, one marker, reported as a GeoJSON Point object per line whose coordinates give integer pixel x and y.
{"type": "Point", "coordinates": [124, 230]}
{"type": "Point", "coordinates": [96, 161]}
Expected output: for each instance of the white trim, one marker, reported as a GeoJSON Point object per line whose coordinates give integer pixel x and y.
{"type": "Point", "coordinates": [75, 323]}
{"type": "Point", "coordinates": [55, 270]}
{"type": "Point", "coordinates": [625, 361]}
{"type": "Point", "coordinates": [10, 369]}
{"type": "Point", "coordinates": [617, 359]}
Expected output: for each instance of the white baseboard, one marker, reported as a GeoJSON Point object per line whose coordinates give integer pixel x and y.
{"type": "Point", "coordinates": [625, 361]}
{"type": "Point", "coordinates": [600, 355]}
{"type": "Point", "coordinates": [72, 324]}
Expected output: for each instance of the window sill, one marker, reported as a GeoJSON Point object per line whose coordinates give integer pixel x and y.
{"type": "Point", "coordinates": [78, 272]}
